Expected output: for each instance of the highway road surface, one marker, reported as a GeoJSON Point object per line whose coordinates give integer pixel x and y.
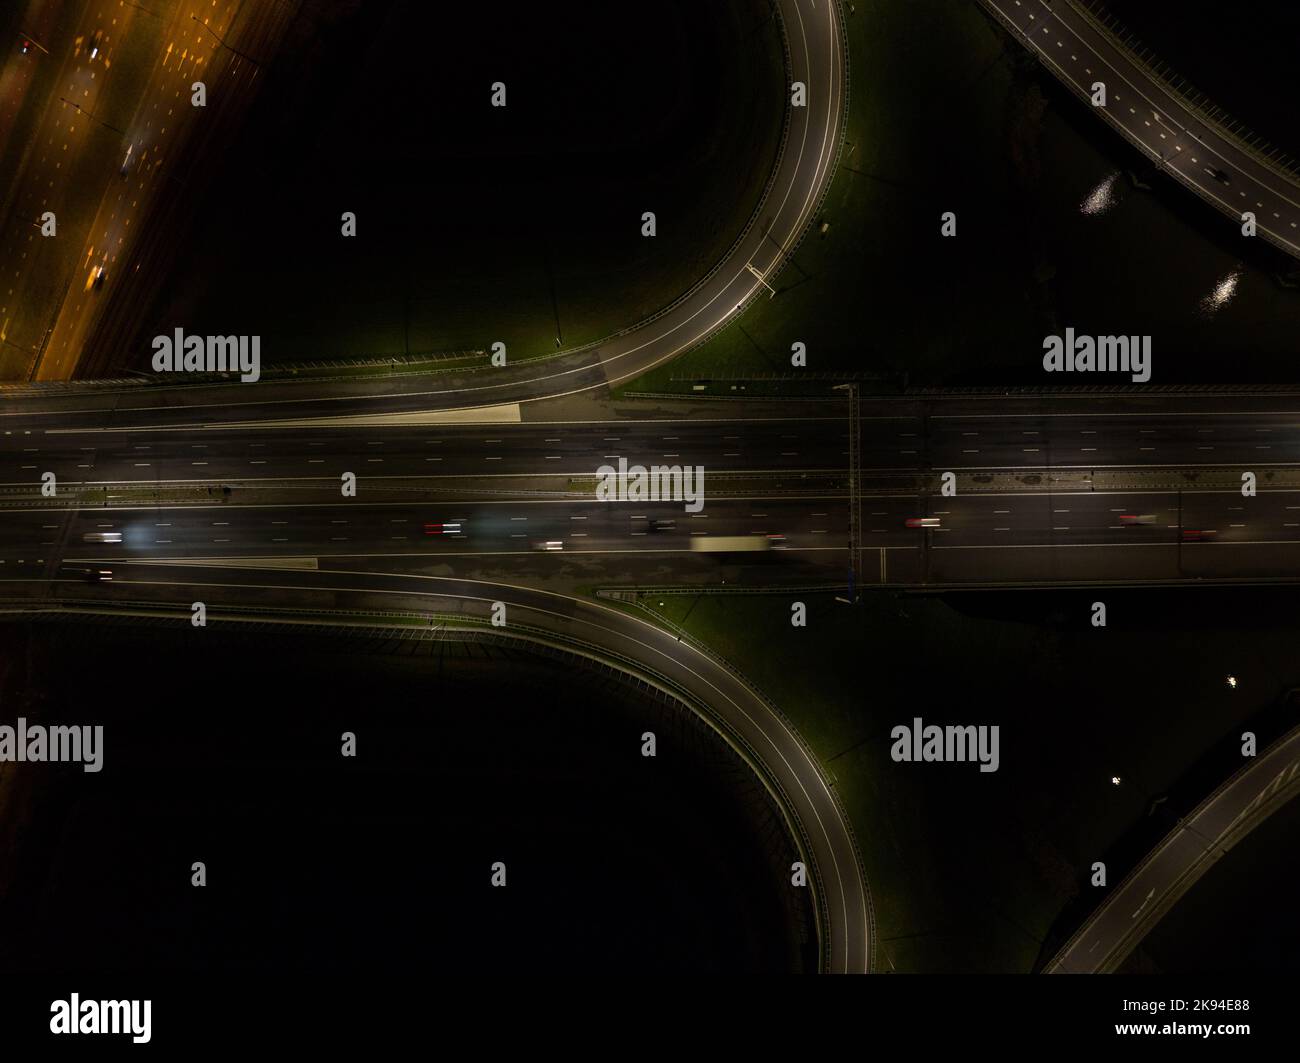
{"type": "Point", "coordinates": [1158, 121]}
{"type": "Point", "coordinates": [754, 726]}
{"type": "Point", "coordinates": [1053, 494]}
{"type": "Point", "coordinates": [817, 57]}
{"type": "Point", "coordinates": [1201, 838]}
{"type": "Point", "coordinates": [1008, 527]}
{"type": "Point", "coordinates": [1053, 490]}
{"type": "Point", "coordinates": [1050, 479]}
{"type": "Point", "coordinates": [111, 135]}
{"type": "Point", "coordinates": [1024, 495]}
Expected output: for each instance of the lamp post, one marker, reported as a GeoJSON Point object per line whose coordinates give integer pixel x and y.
{"type": "Point", "coordinates": [221, 41]}
{"type": "Point", "coordinates": [92, 117]}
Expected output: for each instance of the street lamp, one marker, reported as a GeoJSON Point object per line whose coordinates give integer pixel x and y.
{"type": "Point", "coordinates": [93, 118]}
{"type": "Point", "coordinates": [221, 41]}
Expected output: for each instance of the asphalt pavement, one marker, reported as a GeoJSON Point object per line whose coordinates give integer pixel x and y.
{"type": "Point", "coordinates": [1134, 906]}
{"type": "Point", "coordinates": [1164, 125]}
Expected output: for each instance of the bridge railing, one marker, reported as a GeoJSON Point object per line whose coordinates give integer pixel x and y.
{"type": "Point", "coordinates": [442, 626]}
{"type": "Point", "coordinates": [707, 651]}
{"type": "Point", "coordinates": [415, 364]}
{"type": "Point", "coordinates": [1224, 123]}
{"type": "Point", "coordinates": [1282, 788]}
{"type": "Point", "coordinates": [1263, 232]}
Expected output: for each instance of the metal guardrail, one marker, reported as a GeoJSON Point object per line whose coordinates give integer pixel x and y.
{"type": "Point", "coordinates": [772, 707]}
{"type": "Point", "coordinates": [921, 392]}
{"type": "Point", "coordinates": [45, 387]}
{"type": "Point", "coordinates": [1252, 143]}
{"type": "Point", "coordinates": [376, 360]}
{"type": "Point", "coordinates": [594, 345]}
{"type": "Point", "coordinates": [312, 370]}
{"type": "Point", "coordinates": [1259, 810]}
{"type": "Point", "coordinates": [782, 377]}
{"type": "Point", "coordinates": [1092, 391]}
{"type": "Point", "coordinates": [1118, 127]}
{"type": "Point", "coordinates": [788, 251]}
{"type": "Point", "coordinates": [620, 593]}
{"type": "Point", "coordinates": [712, 397]}
{"type": "Point", "coordinates": [749, 224]}
{"type": "Point", "coordinates": [463, 627]}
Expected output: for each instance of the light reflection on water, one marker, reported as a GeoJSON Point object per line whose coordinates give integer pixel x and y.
{"type": "Point", "coordinates": [1222, 294]}
{"type": "Point", "coordinates": [1101, 198]}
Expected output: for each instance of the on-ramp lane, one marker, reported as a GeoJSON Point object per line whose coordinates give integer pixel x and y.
{"type": "Point", "coordinates": [722, 696]}
{"type": "Point", "coordinates": [1134, 907]}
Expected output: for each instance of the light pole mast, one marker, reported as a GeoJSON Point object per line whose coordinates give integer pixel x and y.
{"type": "Point", "coordinates": [855, 517]}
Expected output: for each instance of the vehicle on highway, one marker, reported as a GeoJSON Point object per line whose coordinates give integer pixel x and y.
{"type": "Point", "coordinates": [95, 279]}
{"type": "Point", "coordinates": [922, 522]}
{"type": "Point", "coordinates": [126, 163]}
{"type": "Point", "coordinates": [721, 544]}
{"type": "Point", "coordinates": [661, 525]}
{"type": "Point", "coordinates": [99, 277]}
{"type": "Point", "coordinates": [1137, 518]}
{"type": "Point", "coordinates": [100, 575]}
{"type": "Point", "coordinates": [451, 527]}
{"type": "Point", "coordinates": [102, 537]}
{"type": "Point", "coordinates": [549, 545]}
{"type": "Point", "coordinates": [777, 542]}
{"type": "Point", "coordinates": [1219, 175]}
{"type": "Point", "coordinates": [27, 46]}
{"type": "Point", "coordinates": [96, 40]}
{"type": "Point", "coordinates": [1199, 535]}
